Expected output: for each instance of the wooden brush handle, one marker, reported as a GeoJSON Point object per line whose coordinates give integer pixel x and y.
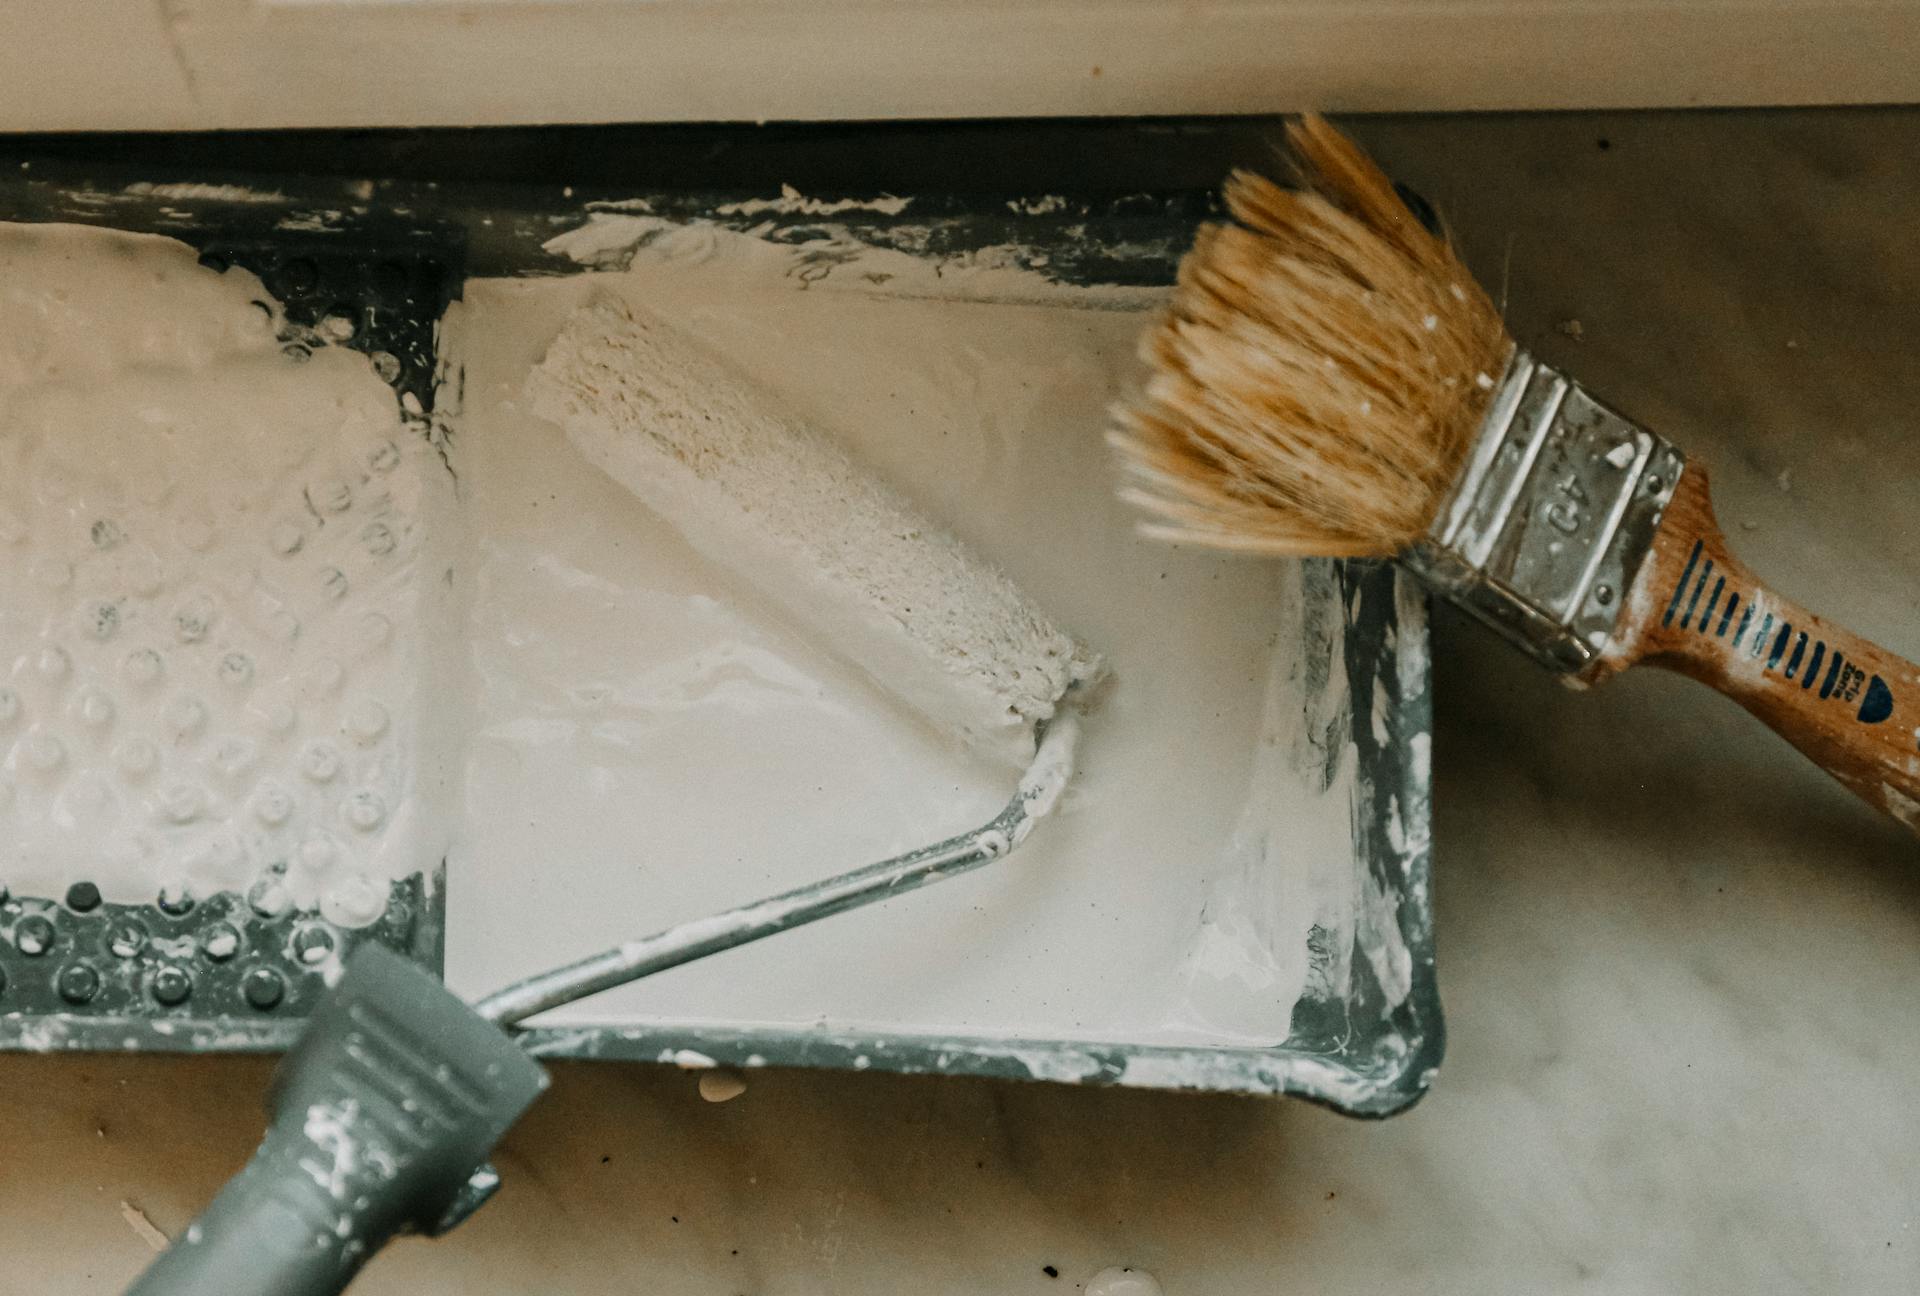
{"type": "Point", "coordinates": [1848, 704]}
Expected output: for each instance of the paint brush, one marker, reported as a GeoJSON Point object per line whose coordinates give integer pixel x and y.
{"type": "Point", "coordinates": [1329, 380]}
{"type": "Point", "coordinates": [777, 502]}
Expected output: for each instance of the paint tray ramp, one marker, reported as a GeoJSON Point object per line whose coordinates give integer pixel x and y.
{"type": "Point", "coordinates": [237, 969]}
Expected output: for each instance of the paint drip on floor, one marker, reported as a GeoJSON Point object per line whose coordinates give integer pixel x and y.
{"type": "Point", "coordinates": [1122, 1280]}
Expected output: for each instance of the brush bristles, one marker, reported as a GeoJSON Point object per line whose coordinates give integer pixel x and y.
{"type": "Point", "coordinates": [1319, 374]}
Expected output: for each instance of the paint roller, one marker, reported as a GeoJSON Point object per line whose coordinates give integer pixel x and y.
{"type": "Point", "coordinates": [383, 1112]}
{"type": "Point", "coordinates": [780, 504]}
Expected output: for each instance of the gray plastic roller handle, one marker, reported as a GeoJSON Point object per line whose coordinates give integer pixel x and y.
{"type": "Point", "coordinates": [273, 1229]}
{"type": "Point", "coordinates": [380, 1116]}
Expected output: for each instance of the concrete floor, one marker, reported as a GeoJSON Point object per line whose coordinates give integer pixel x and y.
{"type": "Point", "coordinates": [1676, 961]}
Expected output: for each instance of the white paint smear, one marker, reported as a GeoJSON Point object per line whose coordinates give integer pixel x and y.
{"type": "Point", "coordinates": [792, 202]}
{"type": "Point", "coordinates": [828, 257]}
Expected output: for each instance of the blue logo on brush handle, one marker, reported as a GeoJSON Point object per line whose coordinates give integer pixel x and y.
{"type": "Point", "coordinates": [1879, 702]}
{"type": "Point", "coordinates": [1841, 680]}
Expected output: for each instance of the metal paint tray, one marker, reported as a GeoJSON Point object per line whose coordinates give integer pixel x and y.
{"type": "Point", "coordinates": [1366, 1038]}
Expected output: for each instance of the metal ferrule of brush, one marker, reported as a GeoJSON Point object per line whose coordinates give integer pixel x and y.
{"type": "Point", "coordinates": [1556, 508]}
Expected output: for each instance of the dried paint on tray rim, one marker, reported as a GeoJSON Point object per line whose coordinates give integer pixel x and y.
{"type": "Point", "coordinates": [1359, 1044]}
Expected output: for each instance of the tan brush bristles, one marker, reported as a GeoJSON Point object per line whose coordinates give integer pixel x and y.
{"type": "Point", "coordinates": [1319, 374]}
